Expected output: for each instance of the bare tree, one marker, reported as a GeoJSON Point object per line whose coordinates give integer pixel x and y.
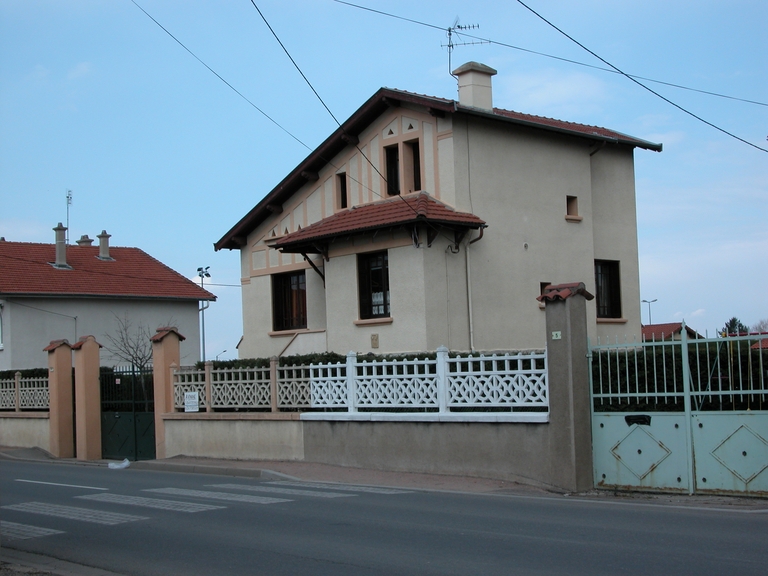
{"type": "Point", "coordinates": [130, 344]}
{"type": "Point", "coordinates": [761, 326]}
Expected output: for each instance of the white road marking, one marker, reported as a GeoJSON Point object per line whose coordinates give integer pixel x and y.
{"type": "Point", "coordinates": [218, 495]}
{"type": "Point", "coordinates": [340, 487]}
{"type": "Point", "coordinates": [72, 513]}
{"type": "Point", "coordinates": [14, 531]}
{"type": "Point", "coordinates": [156, 503]}
{"type": "Point", "coordinates": [289, 491]}
{"type": "Point", "coordinates": [57, 484]}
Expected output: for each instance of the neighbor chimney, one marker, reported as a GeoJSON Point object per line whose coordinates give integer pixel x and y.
{"type": "Point", "coordinates": [61, 247]}
{"type": "Point", "coordinates": [84, 240]}
{"type": "Point", "coordinates": [104, 245]}
{"type": "Point", "coordinates": [475, 85]}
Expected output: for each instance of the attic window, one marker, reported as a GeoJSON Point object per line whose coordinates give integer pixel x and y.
{"type": "Point", "coordinates": [572, 209]}
{"type": "Point", "coordinates": [392, 159]}
{"type": "Point", "coordinates": [412, 166]}
{"type": "Point", "coordinates": [341, 189]}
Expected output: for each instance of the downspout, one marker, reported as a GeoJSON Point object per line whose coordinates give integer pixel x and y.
{"type": "Point", "coordinates": [469, 291]}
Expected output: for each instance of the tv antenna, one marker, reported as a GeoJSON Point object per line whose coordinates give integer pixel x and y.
{"type": "Point", "coordinates": [69, 203]}
{"type": "Point", "coordinates": [457, 29]}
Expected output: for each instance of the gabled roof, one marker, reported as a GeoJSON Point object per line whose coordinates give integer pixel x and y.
{"type": "Point", "coordinates": [760, 344]}
{"type": "Point", "coordinates": [395, 211]}
{"type": "Point", "coordinates": [666, 331]}
{"type": "Point", "coordinates": [376, 105]}
{"type": "Point", "coordinates": [26, 270]}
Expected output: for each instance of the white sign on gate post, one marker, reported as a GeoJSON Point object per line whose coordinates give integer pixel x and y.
{"type": "Point", "coordinates": [191, 402]}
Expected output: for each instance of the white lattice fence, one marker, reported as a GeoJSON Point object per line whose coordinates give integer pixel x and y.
{"type": "Point", "coordinates": [32, 394]}
{"type": "Point", "coordinates": [293, 387]}
{"type": "Point", "coordinates": [329, 385]}
{"type": "Point", "coordinates": [188, 381]}
{"type": "Point", "coordinates": [396, 383]}
{"type": "Point", "coordinates": [240, 388]}
{"type": "Point", "coordinates": [510, 380]}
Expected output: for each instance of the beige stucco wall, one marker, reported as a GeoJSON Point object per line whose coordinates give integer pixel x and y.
{"type": "Point", "coordinates": [32, 325]}
{"type": "Point", "coordinates": [229, 438]}
{"type": "Point", "coordinates": [25, 431]}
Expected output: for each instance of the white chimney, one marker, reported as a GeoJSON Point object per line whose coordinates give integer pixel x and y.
{"type": "Point", "coordinates": [84, 240]}
{"type": "Point", "coordinates": [61, 247]}
{"type": "Point", "coordinates": [104, 245]}
{"type": "Point", "coordinates": [475, 85]}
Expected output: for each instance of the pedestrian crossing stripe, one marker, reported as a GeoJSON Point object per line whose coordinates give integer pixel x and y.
{"type": "Point", "coordinates": [217, 495]}
{"type": "Point", "coordinates": [15, 531]}
{"type": "Point", "coordinates": [73, 513]}
{"type": "Point", "coordinates": [340, 487]}
{"type": "Point", "coordinates": [276, 490]}
{"type": "Point", "coordinates": [155, 503]}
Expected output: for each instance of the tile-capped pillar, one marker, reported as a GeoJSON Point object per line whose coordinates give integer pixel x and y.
{"type": "Point", "coordinates": [570, 452]}
{"type": "Point", "coordinates": [60, 415]}
{"type": "Point", "coordinates": [166, 356]}
{"type": "Point", "coordinates": [87, 399]}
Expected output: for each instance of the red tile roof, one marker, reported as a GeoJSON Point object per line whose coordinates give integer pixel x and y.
{"type": "Point", "coordinates": [760, 344]}
{"type": "Point", "coordinates": [364, 116]}
{"type": "Point", "coordinates": [666, 331]}
{"type": "Point", "coordinates": [25, 269]}
{"type": "Point", "coordinates": [393, 211]}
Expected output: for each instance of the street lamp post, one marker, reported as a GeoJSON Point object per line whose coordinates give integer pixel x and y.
{"type": "Point", "coordinates": [649, 302]}
{"type": "Point", "coordinates": [203, 273]}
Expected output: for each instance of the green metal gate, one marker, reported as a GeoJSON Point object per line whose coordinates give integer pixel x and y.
{"type": "Point", "coordinates": [687, 415]}
{"type": "Point", "coordinates": [127, 413]}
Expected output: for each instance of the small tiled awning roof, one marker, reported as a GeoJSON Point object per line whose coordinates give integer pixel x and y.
{"type": "Point", "coordinates": [396, 211]}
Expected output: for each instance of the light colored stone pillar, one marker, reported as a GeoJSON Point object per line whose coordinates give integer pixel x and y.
{"type": "Point", "coordinates": [570, 443]}
{"type": "Point", "coordinates": [166, 356]}
{"type": "Point", "coordinates": [87, 399]}
{"type": "Point", "coordinates": [60, 413]}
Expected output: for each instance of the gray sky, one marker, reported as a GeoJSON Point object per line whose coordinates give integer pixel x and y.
{"type": "Point", "coordinates": [96, 98]}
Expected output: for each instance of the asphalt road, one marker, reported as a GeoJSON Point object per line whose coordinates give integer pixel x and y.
{"type": "Point", "coordinates": [157, 523]}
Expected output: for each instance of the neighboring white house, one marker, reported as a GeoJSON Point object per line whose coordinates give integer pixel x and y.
{"type": "Point", "coordinates": [424, 221]}
{"type": "Point", "coordinates": [56, 291]}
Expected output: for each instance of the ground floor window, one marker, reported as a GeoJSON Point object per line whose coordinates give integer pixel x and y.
{"type": "Point", "coordinates": [373, 285]}
{"type": "Point", "coordinates": [608, 289]}
{"type": "Point", "coordinates": [289, 301]}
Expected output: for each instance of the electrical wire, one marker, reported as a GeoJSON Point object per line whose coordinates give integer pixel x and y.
{"type": "Point", "coordinates": [667, 100]}
{"type": "Point", "coordinates": [560, 58]}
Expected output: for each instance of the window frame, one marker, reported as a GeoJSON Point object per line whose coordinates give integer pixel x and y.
{"type": "Point", "coordinates": [342, 190]}
{"type": "Point", "coordinates": [392, 169]}
{"type": "Point", "coordinates": [608, 288]}
{"type": "Point", "coordinates": [367, 304]}
{"type": "Point", "coordinates": [289, 311]}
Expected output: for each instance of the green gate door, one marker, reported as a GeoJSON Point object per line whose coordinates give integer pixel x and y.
{"type": "Point", "coordinates": [127, 414]}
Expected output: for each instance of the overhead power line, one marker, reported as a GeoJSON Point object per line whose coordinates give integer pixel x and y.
{"type": "Point", "coordinates": [553, 57]}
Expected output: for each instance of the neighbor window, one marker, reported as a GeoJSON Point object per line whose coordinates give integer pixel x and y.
{"type": "Point", "coordinates": [608, 289]}
{"type": "Point", "coordinates": [572, 209]}
{"type": "Point", "coordinates": [392, 159]}
{"type": "Point", "coordinates": [373, 285]}
{"type": "Point", "coordinates": [289, 301]}
{"type": "Point", "coordinates": [341, 180]}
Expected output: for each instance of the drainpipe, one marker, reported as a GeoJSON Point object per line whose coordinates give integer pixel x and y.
{"type": "Point", "coordinates": [469, 291]}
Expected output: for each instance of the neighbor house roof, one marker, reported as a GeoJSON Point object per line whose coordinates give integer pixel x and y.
{"type": "Point", "coordinates": [666, 331]}
{"type": "Point", "coordinates": [760, 344]}
{"type": "Point", "coordinates": [395, 211]}
{"type": "Point", "coordinates": [376, 105]}
{"type": "Point", "coordinates": [26, 270]}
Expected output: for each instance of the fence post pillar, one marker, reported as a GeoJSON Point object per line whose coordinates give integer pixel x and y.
{"type": "Point", "coordinates": [570, 415]}
{"type": "Point", "coordinates": [87, 398]}
{"type": "Point", "coordinates": [442, 379]}
{"type": "Point", "coordinates": [351, 373]}
{"type": "Point", "coordinates": [17, 391]}
{"type": "Point", "coordinates": [165, 355]}
{"type": "Point", "coordinates": [208, 365]}
{"type": "Point", "coordinates": [273, 383]}
{"type": "Point", "coordinates": [687, 407]}
{"type": "Point", "coordinates": [61, 442]}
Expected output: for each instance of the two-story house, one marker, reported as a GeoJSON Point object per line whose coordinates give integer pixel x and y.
{"type": "Point", "coordinates": [423, 221]}
{"type": "Point", "coordinates": [60, 291]}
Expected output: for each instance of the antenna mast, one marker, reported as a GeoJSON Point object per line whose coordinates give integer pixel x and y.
{"type": "Point", "coordinates": [69, 203]}
{"type": "Point", "coordinates": [457, 28]}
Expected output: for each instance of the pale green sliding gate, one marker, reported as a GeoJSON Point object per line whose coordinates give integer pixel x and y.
{"type": "Point", "coordinates": [687, 415]}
